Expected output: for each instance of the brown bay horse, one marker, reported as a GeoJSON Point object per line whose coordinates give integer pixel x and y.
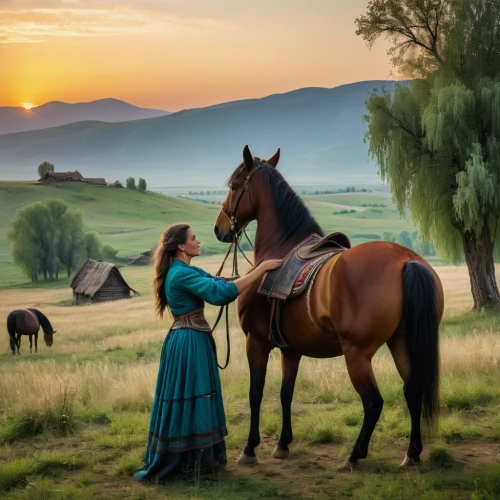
{"type": "Point", "coordinates": [28, 322]}
{"type": "Point", "coordinates": [374, 293]}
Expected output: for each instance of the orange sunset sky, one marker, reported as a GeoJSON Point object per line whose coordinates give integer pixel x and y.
{"type": "Point", "coordinates": [176, 54]}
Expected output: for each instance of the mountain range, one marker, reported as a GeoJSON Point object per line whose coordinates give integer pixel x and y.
{"type": "Point", "coordinates": [56, 113]}
{"type": "Point", "coordinates": [320, 132]}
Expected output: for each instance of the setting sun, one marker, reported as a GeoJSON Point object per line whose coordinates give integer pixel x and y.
{"type": "Point", "coordinates": [28, 105]}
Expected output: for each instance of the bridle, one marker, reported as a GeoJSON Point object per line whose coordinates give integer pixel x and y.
{"type": "Point", "coordinates": [236, 227]}
{"type": "Point", "coordinates": [231, 217]}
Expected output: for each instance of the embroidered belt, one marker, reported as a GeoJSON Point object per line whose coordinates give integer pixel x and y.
{"type": "Point", "coordinates": [194, 320]}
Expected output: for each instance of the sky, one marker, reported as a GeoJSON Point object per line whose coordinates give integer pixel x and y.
{"type": "Point", "coordinates": [179, 54]}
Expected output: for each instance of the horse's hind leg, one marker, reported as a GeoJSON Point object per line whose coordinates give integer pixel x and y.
{"type": "Point", "coordinates": [361, 373]}
{"type": "Point", "coordinates": [289, 366]}
{"type": "Point", "coordinates": [258, 356]}
{"type": "Point", "coordinates": [36, 342]}
{"type": "Point", "coordinates": [13, 345]}
{"type": "Point", "coordinates": [31, 343]}
{"type": "Point", "coordinates": [413, 397]}
{"type": "Point", "coordinates": [18, 343]}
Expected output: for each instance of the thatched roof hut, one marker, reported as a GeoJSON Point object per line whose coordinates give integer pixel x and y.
{"type": "Point", "coordinates": [99, 282]}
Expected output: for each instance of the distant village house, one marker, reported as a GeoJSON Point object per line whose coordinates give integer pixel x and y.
{"type": "Point", "coordinates": [99, 282]}
{"type": "Point", "coordinates": [143, 259]}
{"type": "Point", "coordinates": [51, 177]}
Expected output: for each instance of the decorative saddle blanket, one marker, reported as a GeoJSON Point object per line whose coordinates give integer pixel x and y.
{"type": "Point", "coordinates": [296, 274]}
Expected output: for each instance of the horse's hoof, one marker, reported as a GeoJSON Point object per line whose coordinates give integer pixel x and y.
{"type": "Point", "coordinates": [407, 462]}
{"type": "Point", "coordinates": [348, 466]}
{"type": "Point", "coordinates": [247, 459]}
{"type": "Point", "coordinates": [280, 453]}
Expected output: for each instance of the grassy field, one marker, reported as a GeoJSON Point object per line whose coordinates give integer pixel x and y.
{"type": "Point", "coordinates": [73, 418]}
{"type": "Point", "coordinates": [132, 222]}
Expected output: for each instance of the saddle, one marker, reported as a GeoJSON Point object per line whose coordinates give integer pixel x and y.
{"type": "Point", "coordinates": [297, 274]}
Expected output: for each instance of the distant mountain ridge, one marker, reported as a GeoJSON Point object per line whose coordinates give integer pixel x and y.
{"type": "Point", "coordinates": [320, 132]}
{"type": "Point", "coordinates": [57, 113]}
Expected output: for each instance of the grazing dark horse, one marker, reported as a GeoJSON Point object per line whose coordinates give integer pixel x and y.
{"type": "Point", "coordinates": [28, 322]}
{"type": "Point", "coordinates": [374, 293]}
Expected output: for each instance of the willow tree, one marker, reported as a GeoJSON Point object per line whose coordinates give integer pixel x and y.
{"type": "Point", "coordinates": [436, 138]}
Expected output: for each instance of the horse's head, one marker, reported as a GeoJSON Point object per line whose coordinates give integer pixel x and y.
{"type": "Point", "coordinates": [239, 207]}
{"type": "Point", "coordinates": [47, 336]}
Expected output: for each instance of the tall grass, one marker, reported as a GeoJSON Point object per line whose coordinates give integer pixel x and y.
{"type": "Point", "coordinates": [93, 390]}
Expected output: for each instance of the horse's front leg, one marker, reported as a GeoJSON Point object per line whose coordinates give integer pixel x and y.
{"type": "Point", "coordinates": [31, 343]}
{"type": "Point", "coordinates": [289, 366]}
{"type": "Point", "coordinates": [18, 343]}
{"type": "Point", "coordinates": [36, 342]}
{"type": "Point", "coordinates": [258, 356]}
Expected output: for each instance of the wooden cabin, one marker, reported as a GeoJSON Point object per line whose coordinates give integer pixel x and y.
{"type": "Point", "coordinates": [50, 177]}
{"type": "Point", "coordinates": [99, 282]}
{"type": "Point", "coordinates": [99, 181]}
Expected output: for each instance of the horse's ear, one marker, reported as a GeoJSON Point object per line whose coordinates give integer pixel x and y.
{"type": "Point", "coordinates": [247, 158]}
{"type": "Point", "coordinates": [273, 161]}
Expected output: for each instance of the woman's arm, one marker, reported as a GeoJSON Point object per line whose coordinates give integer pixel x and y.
{"type": "Point", "coordinates": [248, 280]}
{"type": "Point", "coordinates": [217, 291]}
{"type": "Point", "coordinates": [208, 275]}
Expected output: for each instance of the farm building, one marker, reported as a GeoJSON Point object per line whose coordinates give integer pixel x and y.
{"type": "Point", "coordinates": [100, 181]}
{"type": "Point", "coordinates": [50, 177]}
{"type": "Point", "coordinates": [75, 176]}
{"type": "Point", "coordinates": [99, 282]}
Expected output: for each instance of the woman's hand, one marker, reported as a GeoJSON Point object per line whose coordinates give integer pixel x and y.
{"type": "Point", "coordinates": [269, 265]}
{"type": "Point", "coordinates": [255, 274]}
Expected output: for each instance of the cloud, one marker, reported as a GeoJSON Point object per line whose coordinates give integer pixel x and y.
{"type": "Point", "coordinates": [35, 25]}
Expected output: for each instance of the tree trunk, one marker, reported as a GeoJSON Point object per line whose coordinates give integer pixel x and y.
{"type": "Point", "coordinates": [479, 258]}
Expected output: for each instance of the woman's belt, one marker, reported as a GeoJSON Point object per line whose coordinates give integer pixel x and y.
{"type": "Point", "coordinates": [194, 320]}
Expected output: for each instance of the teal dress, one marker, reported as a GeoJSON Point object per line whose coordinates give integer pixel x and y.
{"type": "Point", "coordinates": [188, 423]}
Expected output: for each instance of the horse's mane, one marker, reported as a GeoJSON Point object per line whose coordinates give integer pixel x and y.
{"type": "Point", "coordinates": [293, 216]}
{"type": "Point", "coordinates": [44, 322]}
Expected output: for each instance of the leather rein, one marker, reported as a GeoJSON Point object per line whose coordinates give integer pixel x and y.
{"type": "Point", "coordinates": [231, 217]}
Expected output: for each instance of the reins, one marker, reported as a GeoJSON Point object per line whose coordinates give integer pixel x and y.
{"type": "Point", "coordinates": [235, 272]}
{"type": "Point", "coordinates": [236, 244]}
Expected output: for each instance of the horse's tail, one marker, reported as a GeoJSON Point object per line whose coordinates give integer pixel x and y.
{"type": "Point", "coordinates": [43, 320]}
{"type": "Point", "coordinates": [421, 332]}
{"type": "Point", "coordinates": [11, 328]}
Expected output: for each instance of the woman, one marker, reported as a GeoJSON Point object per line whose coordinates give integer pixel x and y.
{"type": "Point", "coordinates": [188, 424]}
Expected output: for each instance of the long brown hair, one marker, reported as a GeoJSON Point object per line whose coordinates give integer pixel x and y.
{"type": "Point", "coordinates": [163, 256]}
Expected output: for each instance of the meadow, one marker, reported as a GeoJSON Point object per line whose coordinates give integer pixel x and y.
{"type": "Point", "coordinates": [132, 221]}
{"type": "Point", "coordinates": [73, 418]}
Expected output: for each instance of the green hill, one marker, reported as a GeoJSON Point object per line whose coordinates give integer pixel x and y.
{"type": "Point", "coordinates": [130, 221]}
